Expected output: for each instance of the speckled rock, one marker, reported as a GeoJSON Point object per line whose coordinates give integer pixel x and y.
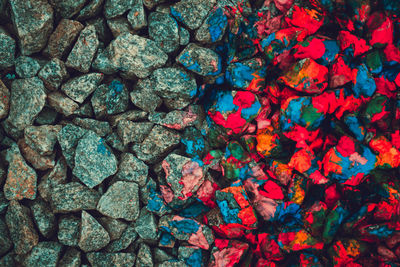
{"type": "Point", "coordinates": [81, 87]}
{"type": "Point", "coordinates": [119, 25]}
{"type": "Point", "coordinates": [91, 9]}
{"type": "Point", "coordinates": [151, 3]}
{"type": "Point", "coordinates": [192, 12]}
{"type": "Point", "coordinates": [97, 259]}
{"type": "Point", "coordinates": [132, 169]}
{"type": "Point", "coordinates": [67, 8]}
{"type": "Point", "coordinates": [110, 99]}
{"type": "Point", "coordinates": [113, 8]}
{"type": "Point", "coordinates": [94, 161]}
{"type": "Point", "coordinates": [146, 225]}
{"type": "Point", "coordinates": [101, 128]}
{"type": "Point", "coordinates": [5, 239]}
{"type": "Point", "coordinates": [213, 28]}
{"type": "Point", "coordinates": [56, 176]}
{"type": "Point", "coordinates": [127, 238]}
{"type": "Point", "coordinates": [73, 197]}
{"type": "Point", "coordinates": [144, 257]}
{"type": "Point", "coordinates": [71, 258]}
{"type": "Point", "coordinates": [21, 179]}
{"type": "Point", "coordinates": [133, 132]}
{"type": "Point", "coordinates": [43, 217]}
{"type": "Point", "coordinates": [93, 236]}
{"type": "Point", "coordinates": [44, 254]}
{"type": "Point", "coordinates": [3, 203]}
{"type": "Point", "coordinates": [53, 74]}
{"type": "Point", "coordinates": [26, 67]}
{"type": "Point", "coordinates": [143, 97]}
{"type": "Point", "coordinates": [42, 138]}
{"type": "Point", "coordinates": [114, 227]}
{"type": "Point", "coordinates": [69, 230]}
{"type": "Point", "coordinates": [137, 16]}
{"type": "Point", "coordinates": [62, 104]}
{"type": "Point", "coordinates": [120, 201]}
{"type": "Point", "coordinates": [84, 50]}
{"type": "Point", "coordinates": [7, 49]}
{"type": "Point", "coordinates": [68, 139]}
{"type": "Point", "coordinates": [39, 162]}
{"type": "Point", "coordinates": [33, 22]}
{"type": "Point", "coordinates": [4, 100]}
{"type": "Point", "coordinates": [163, 29]}
{"type": "Point", "coordinates": [20, 225]}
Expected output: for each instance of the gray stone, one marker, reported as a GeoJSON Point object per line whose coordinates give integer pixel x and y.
{"type": "Point", "coordinates": [93, 236]}
{"type": "Point", "coordinates": [43, 217]}
{"type": "Point", "coordinates": [62, 104]}
{"type": "Point", "coordinates": [111, 99]}
{"type": "Point", "coordinates": [192, 12]}
{"type": "Point", "coordinates": [79, 88]}
{"type": "Point", "coordinates": [26, 67]}
{"type": "Point", "coordinates": [144, 256]}
{"type": "Point", "coordinates": [143, 96]}
{"type": "Point", "coordinates": [115, 142]}
{"type": "Point", "coordinates": [103, 32]}
{"type": "Point", "coordinates": [177, 119]}
{"type": "Point", "coordinates": [157, 144]}
{"type": "Point", "coordinates": [213, 28]}
{"type": "Point", "coordinates": [27, 100]}
{"type": "Point", "coordinates": [20, 225]}
{"type": "Point", "coordinates": [53, 74]}
{"type": "Point", "coordinates": [131, 115]}
{"type": "Point", "coordinates": [33, 22]}
{"type": "Point", "coordinates": [177, 103]}
{"type": "Point", "coordinates": [146, 225]}
{"type": "Point", "coordinates": [92, 9]}
{"type": "Point", "coordinates": [84, 50]}
{"type": "Point", "coordinates": [200, 60]}
{"type": "Point", "coordinates": [101, 128]}
{"type": "Point", "coordinates": [114, 227]}
{"type": "Point", "coordinates": [69, 230]}
{"type": "Point", "coordinates": [161, 256]}
{"type": "Point", "coordinates": [56, 176]}
{"type": "Point", "coordinates": [163, 29]}
{"type": "Point", "coordinates": [94, 161]}
{"type": "Point", "coordinates": [68, 8]}
{"type": "Point", "coordinates": [172, 263]}
{"type": "Point", "coordinates": [133, 132]}
{"type": "Point", "coordinates": [7, 49]}
{"type": "Point", "coordinates": [63, 37]}
{"type": "Point", "coordinates": [113, 8]}
{"type": "Point", "coordinates": [85, 110]}
{"type": "Point", "coordinates": [5, 99]}
{"type": "Point", "coordinates": [71, 258]}
{"type": "Point", "coordinates": [121, 201]}
{"type": "Point", "coordinates": [137, 16]}
{"type": "Point", "coordinates": [126, 239]}
{"type": "Point", "coordinates": [44, 254]}
{"type": "Point", "coordinates": [68, 139]}
{"type": "Point", "coordinates": [132, 169]}
{"type": "Point", "coordinates": [184, 36]}
{"type": "Point", "coordinates": [42, 138]}
{"type": "Point", "coordinates": [73, 197]}
{"type": "Point", "coordinates": [5, 239]}
{"type": "Point", "coordinates": [21, 178]}
{"type": "Point", "coordinates": [119, 25]}
{"type": "Point", "coordinates": [98, 259]}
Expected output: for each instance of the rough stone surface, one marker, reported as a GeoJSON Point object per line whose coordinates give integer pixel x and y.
{"type": "Point", "coordinates": [119, 25]}
{"type": "Point", "coordinates": [144, 256]}
{"type": "Point", "coordinates": [213, 28]}
{"type": "Point", "coordinates": [62, 104]}
{"type": "Point", "coordinates": [131, 115]}
{"type": "Point", "coordinates": [4, 99]}
{"type": "Point", "coordinates": [192, 12]}
{"type": "Point", "coordinates": [43, 217]}
{"type": "Point", "coordinates": [69, 230]}
{"type": "Point", "coordinates": [94, 161]}
{"type": "Point", "coordinates": [133, 132]}
{"type": "Point", "coordinates": [5, 239]}
{"type": "Point", "coordinates": [68, 139]}
{"type": "Point", "coordinates": [26, 67]}
{"type": "Point", "coordinates": [143, 97]}
{"type": "Point", "coordinates": [39, 162]}
{"type": "Point", "coordinates": [110, 99]}
{"type": "Point", "coordinates": [71, 258]}
{"type": "Point", "coordinates": [7, 49]}
{"type": "Point", "coordinates": [97, 259]}
{"type": "Point", "coordinates": [81, 87]}
{"type": "Point", "coordinates": [90, 10]}
{"type": "Point", "coordinates": [44, 254]}
{"type": "Point", "coordinates": [53, 74]}
{"type": "Point", "coordinates": [68, 8]}
{"type": "Point", "coordinates": [93, 236]}
{"type": "Point", "coordinates": [113, 8]}
{"type": "Point", "coordinates": [137, 16]}
{"type": "Point", "coordinates": [114, 227]}
{"type": "Point", "coordinates": [163, 29]}
{"type": "Point", "coordinates": [146, 225]}
{"type": "Point", "coordinates": [132, 169]}
{"type": "Point", "coordinates": [33, 22]}
{"type": "Point", "coordinates": [42, 138]}
{"type": "Point", "coordinates": [120, 201]}
{"type": "Point", "coordinates": [127, 238]}
{"type": "Point", "coordinates": [56, 176]}
{"type": "Point", "coordinates": [20, 225]}
{"type": "Point", "coordinates": [101, 128]}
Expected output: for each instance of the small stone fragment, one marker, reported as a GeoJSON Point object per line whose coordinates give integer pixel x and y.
{"type": "Point", "coordinates": [132, 169]}
{"type": "Point", "coordinates": [56, 176]}
{"type": "Point", "coordinates": [110, 99]}
{"type": "Point", "coordinates": [71, 258]}
{"type": "Point", "coordinates": [53, 74]}
{"type": "Point", "coordinates": [144, 256]}
{"type": "Point", "coordinates": [133, 132]}
{"type": "Point", "coordinates": [7, 49]}
{"type": "Point", "coordinates": [44, 254]}
{"type": "Point", "coordinates": [39, 162]}
{"type": "Point", "coordinates": [3, 202]}
{"type": "Point", "coordinates": [4, 99]}
{"type": "Point", "coordinates": [82, 86]}
{"type": "Point", "coordinates": [120, 201]}
{"type": "Point", "coordinates": [114, 227]}
{"type": "Point", "coordinates": [113, 8]}
{"type": "Point", "coordinates": [97, 259]}
{"type": "Point", "coordinates": [213, 28]}
{"type": "Point", "coordinates": [90, 10]}
{"type": "Point", "coordinates": [184, 36]}
{"type": "Point", "coordinates": [101, 128]}
{"type": "Point", "coordinates": [131, 115]}
{"type": "Point", "coordinates": [93, 236]}
{"type": "Point", "coordinates": [137, 16]}
{"type": "Point", "coordinates": [146, 225]}
{"type": "Point", "coordinates": [69, 230]}
{"type": "Point", "coordinates": [62, 104]}
{"type": "Point", "coordinates": [163, 29]}
{"type": "Point", "coordinates": [143, 97]}
{"type": "Point", "coordinates": [126, 239]}
{"type": "Point", "coordinates": [42, 138]}
{"type": "Point", "coordinates": [192, 12]}
{"type": "Point", "coordinates": [26, 67]}
{"type": "Point", "coordinates": [151, 3]}
{"type": "Point", "coordinates": [119, 25]}
{"type": "Point", "coordinates": [68, 8]}
{"type": "Point", "coordinates": [43, 217]}
{"type": "Point", "coordinates": [5, 239]}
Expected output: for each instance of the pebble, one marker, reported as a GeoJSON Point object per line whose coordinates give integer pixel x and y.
{"type": "Point", "coordinates": [192, 12]}
{"type": "Point", "coordinates": [132, 169]}
{"type": "Point", "coordinates": [113, 8]}
{"type": "Point", "coordinates": [26, 67]}
{"type": "Point", "coordinates": [44, 254]}
{"type": "Point", "coordinates": [79, 88]}
{"type": "Point", "coordinates": [7, 49]}
{"type": "Point", "coordinates": [133, 132]}
{"type": "Point", "coordinates": [93, 236]}
{"type": "Point", "coordinates": [53, 74]}
{"type": "Point", "coordinates": [163, 29]}
{"type": "Point", "coordinates": [69, 230]}
{"type": "Point", "coordinates": [43, 217]}
{"type": "Point", "coordinates": [137, 16]}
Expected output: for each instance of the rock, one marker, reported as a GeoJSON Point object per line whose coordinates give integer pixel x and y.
{"type": "Point", "coordinates": [90, 10]}
{"type": "Point", "coordinates": [27, 100]}
{"type": "Point", "coordinates": [144, 256]}
{"type": "Point", "coordinates": [73, 197]}
{"type": "Point", "coordinates": [42, 138]}
{"type": "Point", "coordinates": [192, 12]}
{"type": "Point", "coordinates": [120, 201]}
{"type": "Point", "coordinates": [194, 142]}
{"type": "Point", "coordinates": [200, 60]}
{"type": "Point", "coordinates": [68, 8]}
{"type": "Point", "coordinates": [131, 115]}
{"type": "Point", "coordinates": [71, 258]}
{"type": "Point", "coordinates": [146, 225]}
{"type": "Point", "coordinates": [143, 97]}
{"type": "Point", "coordinates": [33, 22]}
{"type": "Point", "coordinates": [190, 255]}
{"type": "Point", "coordinates": [7, 49]}
{"type": "Point", "coordinates": [3, 202]}
{"type": "Point", "coordinates": [79, 88]}
{"type": "Point", "coordinates": [115, 142]}
{"type": "Point", "coordinates": [157, 144]}
{"type": "Point", "coordinates": [43, 217]}
{"type": "Point", "coordinates": [39, 162]}
{"type": "Point", "coordinates": [137, 16]}
{"type": "Point", "coordinates": [97, 259]}
{"type": "Point", "coordinates": [20, 225]}
{"type": "Point", "coordinates": [126, 239]}
{"type": "Point", "coordinates": [241, 74]}
{"type": "Point", "coordinates": [4, 99]}
{"type": "Point", "coordinates": [111, 99]}
{"type": "Point", "coordinates": [101, 128]}
{"type": "Point", "coordinates": [5, 239]}
{"type": "Point", "coordinates": [56, 176]}
{"type": "Point", "coordinates": [44, 254]}
{"type": "Point", "coordinates": [119, 25]}
{"type": "Point", "coordinates": [93, 236]}
{"type": "Point", "coordinates": [163, 29]}
{"type": "Point", "coordinates": [62, 103]}
{"type": "Point", "coordinates": [26, 67]}
{"type": "Point", "coordinates": [53, 74]}
{"type": "Point", "coordinates": [94, 161]}
{"type": "Point", "coordinates": [213, 28]}
{"type": "Point", "coordinates": [84, 50]}
{"type": "Point", "coordinates": [21, 178]}
{"type": "Point", "coordinates": [132, 169]}
{"type": "Point", "coordinates": [8, 260]}
{"type": "Point", "coordinates": [46, 116]}
{"type": "Point", "coordinates": [115, 228]}
{"type": "Point", "coordinates": [151, 3]}
{"type": "Point", "coordinates": [161, 256]}
{"type": "Point", "coordinates": [184, 36]}
{"type": "Point", "coordinates": [113, 8]}
{"type": "Point", "coordinates": [63, 37]}
{"type": "Point", "coordinates": [69, 230]}
{"type": "Point", "coordinates": [133, 132]}
{"type": "Point", "coordinates": [177, 119]}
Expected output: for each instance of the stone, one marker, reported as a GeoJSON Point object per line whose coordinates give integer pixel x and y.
{"type": "Point", "coordinates": [143, 97]}
{"type": "Point", "coordinates": [46, 116]}
{"type": "Point", "coordinates": [3, 202]}
{"type": "Point", "coordinates": [42, 138]}
{"type": "Point", "coordinates": [84, 50]}
{"type": "Point", "coordinates": [69, 230]}
{"type": "Point", "coordinates": [200, 60]}
{"type": "Point", "coordinates": [192, 12]}
{"type": "Point", "coordinates": [137, 16]}
{"type": "Point", "coordinates": [56, 176]}
{"type": "Point", "coordinates": [27, 100]}
{"type": "Point", "coordinates": [53, 74]}
{"type": "Point", "coordinates": [144, 256]}
{"type": "Point", "coordinates": [20, 225]}
{"type": "Point", "coordinates": [63, 37]}
{"type": "Point", "coordinates": [67, 8]}
{"type": "Point", "coordinates": [26, 67]}
{"type": "Point", "coordinates": [93, 236]}
{"type": "Point", "coordinates": [131, 115]}
{"type": "Point", "coordinates": [33, 22]}
{"type": "Point", "coordinates": [126, 239]}
{"type": "Point", "coordinates": [171, 83]}
{"type": "Point", "coordinates": [184, 36]}
{"type": "Point", "coordinates": [103, 32]}
{"type": "Point", "coordinates": [114, 227]}
{"type": "Point", "coordinates": [121, 201]}
{"type": "Point", "coordinates": [152, 3]}
{"type": "Point", "coordinates": [146, 225]}
{"type": "Point", "coordinates": [71, 258]}
{"type": "Point", "coordinates": [113, 8]}
{"type": "Point", "coordinates": [21, 178]}
{"type": "Point", "coordinates": [101, 128]}
{"type": "Point", "coordinates": [62, 104]}
{"type": "Point", "coordinates": [213, 28]}
{"type": "Point", "coordinates": [8, 260]}
{"type": "Point", "coordinates": [177, 119]}
{"type": "Point", "coordinates": [90, 10]}
{"type": "Point", "coordinates": [163, 29]}
{"type": "Point", "coordinates": [94, 161]}
{"type": "Point", "coordinates": [85, 110]}
{"type": "Point", "coordinates": [111, 99]}
{"type": "Point", "coordinates": [115, 142]}
{"type": "Point", "coordinates": [161, 256]}
{"type": "Point", "coordinates": [157, 144]}
{"type": "Point", "coordinates": [43, 217]}
{"type": "Point", "coordinates": [79, 88]}
{"type": "Point", "coordinates": [133, 132]}
{"type": "Point", "coordinates": [132, 169]}
{"type": "Point", "coordinates": [7, 49]}
{"type": "Point", "coordinates": [4, 99]}
{"type": "Point", "coordinates": [97, 259]}
{"type": "Point", "coordinates": [241, 74]}
{"type": "Point", "coordinates": [119, 25]}
{"type": "Point", "coordinates": [39, 162]}
{"type": "Point", "coordinates": [73, 197]}
{"type": "Point", "coordinates": [191, 255]}
{"type": "Point", "coordinates": [5, 239]}
{"type": "Point", "coordinates": [44, 254]}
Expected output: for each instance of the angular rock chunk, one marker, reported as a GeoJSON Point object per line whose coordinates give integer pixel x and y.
{"type": "Point", "coordinates": [33, 22]}
{"type": "Point", "coordinates": [42, 138]}
{"type": "Point", "coordinates": [69, 230]}
{"type": "Point", "coordinates": [43, 217]}
{"type": "Point", "coordinates": [163, 29]}
{"type": "Point", "coordinates": [81, 87]}
{"type": "Point", "coordinates": [68, 8]}
{"type": "Point", "coordinates": [53, 74]}
{"type": "Point", "coordinates": [4, 99]}
{"type": "Point", "coordinates": [7, 49]}
{"type": "Point", "coordinates": [101, 128]}
{"type": "Point", "coordinates": [97, 259]}
{"type": "Point", "coordinates": [39, 162]}
{"type": "Point", "coordinates": [62, 104]}
{"type": "Point", "coordinates": [137, 16]}
{"type": "Point", "coordinates": [44, 254]}
{"type": "Point", "coordinates": [5, 239]}
{"type": "Point", "coordinates": [90, 10]}
{"type": "Point", "coordinates": [114, 227]}
{"type": "Point", "coordinates": [192, 12]}
{"type": "Point", "coordinates": [93, 236]}
{"type": "Point", "coordinates": [144, 257]}
{"type": "Point", "coordinates": [68, 138]}
{"type": "Point", "coordinates": [127, 238]}
{"type": "Point", "coordinates": [113, 8]}
{"type": "Point", "coordinates": [71, 258]}
{"type": "Point", "coordinates": [56, 176]}
{"type": "Point", "coordinates": [26, 67]}
{"type": "Point", "coordinates": [120, 201]}
{"type": "Point", "coordinates": [132, 169]}
{"type": "Point", "coordinates": [110, 99]}
{"type": "Point", "coordinates": [213, 28]}
{"type": "Point", "coordinates": [146, 225]}
{"type": "Point", "coordinates": [133, 132]}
